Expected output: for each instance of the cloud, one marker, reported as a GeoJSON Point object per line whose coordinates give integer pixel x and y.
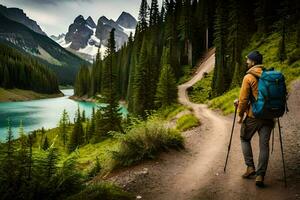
{"type": "Point", "coordinates": [50, 2]}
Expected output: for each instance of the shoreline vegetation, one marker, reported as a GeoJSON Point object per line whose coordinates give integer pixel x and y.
{"type": "Point", "coordinates": [93, 100]}
{"type": "Point", "coordinates": [15, 95]}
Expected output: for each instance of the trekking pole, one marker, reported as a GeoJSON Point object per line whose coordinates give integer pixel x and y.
{"type": "Point", "coordinates": [229, 146]}
{"type": "Point", "coordinates": [273, 132]}
{"type": "Point", "coordinates": [282, 155]}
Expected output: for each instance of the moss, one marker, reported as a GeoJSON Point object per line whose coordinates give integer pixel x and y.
{"type": "Point", "coordinates": [103, 191]}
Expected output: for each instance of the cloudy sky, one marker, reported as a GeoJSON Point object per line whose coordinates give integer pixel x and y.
{"type": "Point", "coordinates": [55, 16]}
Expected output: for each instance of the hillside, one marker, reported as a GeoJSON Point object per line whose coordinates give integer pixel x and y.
{"type": "Point", "coordinates": [268, 46]}
{"type": "Point", "coordinates": [48, 52]}
{"type": "Point", "coordinates": [24, 72]}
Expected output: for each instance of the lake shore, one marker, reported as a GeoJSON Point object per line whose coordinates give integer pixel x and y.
{"type": "Point", "coordinates": [93, 100]}
{"type": "Point", "coordinates": [13, 95]}
{"type": "Point", "coordinates": [83, 99]}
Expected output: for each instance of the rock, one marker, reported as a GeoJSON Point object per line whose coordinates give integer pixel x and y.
{"type": "Point", "coordinates": [79, 32]}
{"type": "Point", "coordinates": [127, 21]}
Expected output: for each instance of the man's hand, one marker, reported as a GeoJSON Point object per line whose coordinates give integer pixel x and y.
{"type": "Point", "coordinates": [236, 103]}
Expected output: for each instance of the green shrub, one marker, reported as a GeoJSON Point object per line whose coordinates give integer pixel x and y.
{"type": "Point", "coordinates": [145, 141]}
{"type": "Point", "coordinates": [103, 191]}
{"type": "Point", "coordinates": [186, 122]}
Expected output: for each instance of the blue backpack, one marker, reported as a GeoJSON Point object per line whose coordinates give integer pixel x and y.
{"type": "Point", "coordinates": [271, 101]}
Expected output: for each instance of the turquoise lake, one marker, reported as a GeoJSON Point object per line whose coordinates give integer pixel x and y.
{"type": "Point", "coordinates": [41, 113]}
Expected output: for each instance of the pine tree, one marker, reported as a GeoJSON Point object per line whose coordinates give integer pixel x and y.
{"type": "Point", "coordinates": [92, 126]}
{"type": "Point", "coordinates": [239, 32]}
{"type": "Point", "coordinates": [96, 76]}
{"type": "Point", "coordinates": [154, 13]}
{"type": "Point", "coordinates": [9, 164]}
{"type": "Point", "coordinates": [281, 25]}
{"type": "Point", "coordinates": [142, 97]}
{"type": "Point", "coordinates": [109, 116]}
{"type": "Point", "coordinates": [218, 84]}
{"type": "Point", "coordinates": [184, 28]}
{"type": "Point", "coordinates": [143, 17]}
{"type": "Point", "coordinates": [167, 89]}
{"type": "Point", "coordinates": [63, 127]}
{"type": "Point", "coordinates": [45, 144]}
{"type": "Point", "coordinates": [23, 155]}
{"type": "Point", "coordinates": [77, 135]}
{"type": "Point", "coordinates": [50, 163]}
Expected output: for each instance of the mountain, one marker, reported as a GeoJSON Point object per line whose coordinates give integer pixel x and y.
{"type": "Point", "coordinates": [84, 37]}
{"type": "Point", "coordinates": [23, 72]}
{"type": "Point", "coordinates": [80, 32]}
{"type": "Point", "coordinates": [18, 15]}
{"type": "Point", "coordinates": [48, 52]}
{"type": "Point", "coordinates": [127, 21]}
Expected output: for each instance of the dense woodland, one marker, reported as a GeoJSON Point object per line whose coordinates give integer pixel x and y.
{"type": "Point", "coordinates": [176, 36]}
{"type": "Point", "coordinates": [23, 72]}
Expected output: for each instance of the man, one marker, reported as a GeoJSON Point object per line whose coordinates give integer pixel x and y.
{"type": "Point", "coordinates": [250, 124]}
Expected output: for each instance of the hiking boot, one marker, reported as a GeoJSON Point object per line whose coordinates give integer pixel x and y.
{"type": "Point", "coordinates": [249, 172]}
{"type": "Point", "coordinates": [259, 181]}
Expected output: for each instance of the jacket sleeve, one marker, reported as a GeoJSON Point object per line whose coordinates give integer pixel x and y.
{"type": "Point", "coordinates": [244, 96]}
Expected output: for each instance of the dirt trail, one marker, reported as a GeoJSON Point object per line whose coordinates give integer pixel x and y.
{"type": "Point", "coordinates": [197, 172]}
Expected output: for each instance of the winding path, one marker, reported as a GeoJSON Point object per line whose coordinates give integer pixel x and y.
{"type": "Point", "coordinates": [197, 172]}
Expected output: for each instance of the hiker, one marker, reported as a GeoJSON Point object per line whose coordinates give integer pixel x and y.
{"type": "Point", "coordinates": [251, 124]}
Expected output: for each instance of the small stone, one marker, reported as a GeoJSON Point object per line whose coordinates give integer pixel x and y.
{"type": "Point", "coordinates": [217, 174]}
{"type": "Point", "coordinates": [138, 197]}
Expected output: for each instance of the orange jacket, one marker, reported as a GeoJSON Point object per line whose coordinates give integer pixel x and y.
{"type": "Point", "coordinates": [249, 86]}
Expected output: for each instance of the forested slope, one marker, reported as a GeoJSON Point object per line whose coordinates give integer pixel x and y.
{"type": "Point", "coordinates": [24, 72]}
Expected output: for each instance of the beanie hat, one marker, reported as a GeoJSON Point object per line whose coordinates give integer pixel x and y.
{"type": "Point", "coordinates": [255, 56]}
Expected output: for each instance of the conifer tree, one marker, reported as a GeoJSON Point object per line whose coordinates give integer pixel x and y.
{"type": "Point", "coordinates": [9, 164]}
{"type": "Point", "coordinates": [111, 116]}
{"type": "Point", "coordinates": [45, 144]}
{"type": "Point", "coordinates": [154, 13]}
{"type": "Point", "coordinates": [77, 135]}
{"type": "Point", "coordinates": [63, 126]}
{"type": "Point", "coordinates": [218, 83]}
{"type": "Point", "coordinates": [143, 16]}
{"type": "Point", "coordinates": [167, 88]}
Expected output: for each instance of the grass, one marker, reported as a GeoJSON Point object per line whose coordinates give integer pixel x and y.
{"type": "Point", "coordinates": [171, 111]}
{"type": "Point", "coordinates": [201, 91]}
{"type": "Point", "coordinates": [225, 102]}
{"type": "Point", "coordinates": [7, 95]}
{"type": "Point", "coordinates": [145, 141]}
{"type": "Point", "coordinates": [186, 122]}
{"type": "Point", "coordinates": [103, 191]}
{"type": "Point", "coordinates": [268, 46]}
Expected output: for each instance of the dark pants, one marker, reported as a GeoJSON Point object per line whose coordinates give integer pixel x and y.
{"type": "Point", "coordinates": [249, 127]}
